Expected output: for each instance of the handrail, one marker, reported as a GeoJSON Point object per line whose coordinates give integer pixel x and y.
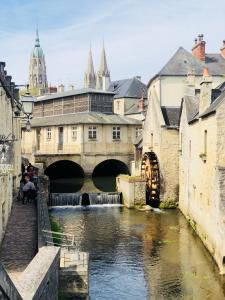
{"type": "Point", "coordinates": [59, 239]}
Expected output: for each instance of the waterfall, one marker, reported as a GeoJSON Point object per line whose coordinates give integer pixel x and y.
{"type": "Point", "coordinates": [104, 198]}
{"type": "Point", "coordinates": [64, 199]}
{"type": "Point", "coordinates": [75, 199]}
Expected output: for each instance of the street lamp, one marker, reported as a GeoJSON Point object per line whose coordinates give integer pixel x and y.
{"type": "Point", "coordinates": [28, 106]}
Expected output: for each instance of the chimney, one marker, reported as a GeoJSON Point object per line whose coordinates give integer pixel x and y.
{"type": "Point", "coordinates": [61, 88]}
{"type": "Point", "coordinates": [71, 87]}
{"type": "Point", "coordinates": [223, 49]}
{"type": "Point", "coordinates": [190, 83]}
{"type": "Point", "coordinates": [199, 48]}
{"type": "Point", "coordinates": [206, 91]}
{"type": "Point", "coordinates": [141, 103]}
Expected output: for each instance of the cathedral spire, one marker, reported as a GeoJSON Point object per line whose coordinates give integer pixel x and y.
{"type": "Point", "coordinates": [103, 75]}
{"type": "Point", "coordinates": [90, 67]}
{"type": "Point", "coordinates": [89, 75]}
{"type": "Point", "coordinates": [103, 70]}
{"type": "Point", "coordinates": [37, 41]}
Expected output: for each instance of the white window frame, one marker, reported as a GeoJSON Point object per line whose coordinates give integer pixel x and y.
{"type": "Point", "coordinates": [116, 133]}
{"type": "Point", "coordinates": [48, 134]}
{"type": "Point", "coordinates": [74, 133]}
{"type": "Point", "coordinates": [92, 132]}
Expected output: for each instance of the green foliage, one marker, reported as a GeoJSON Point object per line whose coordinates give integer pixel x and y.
{"type": "Point", "coordinates": [33, 92]}
{"type": "Point", "coordinates": [167, 204]}
{"type": "Point", "coordinates": [55, 227]}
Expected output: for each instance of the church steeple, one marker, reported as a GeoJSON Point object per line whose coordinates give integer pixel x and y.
{"type": "Point", "coordinates": [89, 75]}
{"type": "Point", "coordinates": [103, 75]}
{"type": "Point", "coordinates": [37, 70]}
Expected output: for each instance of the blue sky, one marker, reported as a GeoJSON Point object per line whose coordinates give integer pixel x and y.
{"type": "Point", "coordinates": [140, 35]}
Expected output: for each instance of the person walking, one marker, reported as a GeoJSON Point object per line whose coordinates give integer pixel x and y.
{"type": "Point", "coordinates": [29, 190]}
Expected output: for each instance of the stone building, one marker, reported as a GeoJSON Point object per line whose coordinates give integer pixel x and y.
{"type": "Point", "coordinates": [130, 97]}
{"type": "Point", "coordinates": [37, 69]}
{"type": "Point", "coordinates": [202, 165]}
{"type": "Point", "coordinates": [160, 145]}
{"type": "Point", "coordinates": [10, 145]}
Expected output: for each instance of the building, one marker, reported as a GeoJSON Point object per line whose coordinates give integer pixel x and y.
{"type": "Point", "coordinates": [10, 145]}
{"type": "Point", "coordinates": [130, 97]}
{"type": "Point", "coordinates": [37, 69]}
{"type": "Point", "coordinates": [100, 80]}
{"type": "Point", "coordinates": [202, 165]}
{"type": "Point", "coordinates": [181, 76]}
{"type": "Point", "coordinates": [74, 101]}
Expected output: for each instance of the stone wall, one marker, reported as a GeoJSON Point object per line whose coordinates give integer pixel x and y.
{"type": "Point", "coordinates": [8, 291]}
{"type": "Point", "coordinates": [40, 278]}
{"type": "Point", "coordinates": [132, 189]}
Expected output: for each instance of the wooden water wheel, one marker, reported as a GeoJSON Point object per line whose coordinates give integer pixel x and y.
{"type": "Point", "coordinates": [150, 170]}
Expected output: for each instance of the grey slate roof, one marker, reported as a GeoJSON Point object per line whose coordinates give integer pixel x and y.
{"type": "Point", "coordinates": [214, 105]}
{"type": "Point", "coordinates": [73, 93]}
{"type": "Point", "coordinates": [128, 88]}
{"type": "Point", "coordinates": [192, 107]}
{"type": "Point", "coordinates": [171, 115]}
{"type": "Point", "coordinates": [138, 139]}
{"type": "Point", "coordinates": [83, 118]}
{"type": "Point", "coordinates": [183, 61]}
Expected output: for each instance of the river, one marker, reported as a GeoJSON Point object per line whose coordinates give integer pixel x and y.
{"type": "Point", "coordinates": [142, 255]}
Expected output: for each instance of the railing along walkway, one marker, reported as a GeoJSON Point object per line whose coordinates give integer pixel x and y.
{"type": "Point", "coordinates": [19, 245]}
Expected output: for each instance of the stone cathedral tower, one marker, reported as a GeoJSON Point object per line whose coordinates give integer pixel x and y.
{"type": "Point", "coordinates": [89, 75]}
{"type": "Point", "coordinates": [103, 75]}
{"type": "Point", "coordinates": [37, 69]}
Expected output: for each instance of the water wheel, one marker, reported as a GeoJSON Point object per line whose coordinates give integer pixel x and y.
{"type": "Point", "coordinates": [150, 170]}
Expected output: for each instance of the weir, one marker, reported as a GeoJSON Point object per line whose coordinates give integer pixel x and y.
{"type": "Point", "coordinates": [76, 199]}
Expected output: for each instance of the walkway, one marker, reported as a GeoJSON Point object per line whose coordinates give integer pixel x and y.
{"type": "Point", "coordinates": [19, 245]}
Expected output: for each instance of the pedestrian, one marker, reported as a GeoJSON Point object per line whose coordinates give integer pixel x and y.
{"type": "Point", "coordinates": [29, 190]}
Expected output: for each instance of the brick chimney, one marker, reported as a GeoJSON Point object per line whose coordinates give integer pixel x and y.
{"type": "Point", "coordinates": [190, 83]}
{"type": "Point", "coordinates": [206, 91]}
{"type": "Point", "coordinates": [141, 103]}
{"type": "Point", "coordinates": [223, 49]}
{"type": "Point", "coordinates": [199, 48]}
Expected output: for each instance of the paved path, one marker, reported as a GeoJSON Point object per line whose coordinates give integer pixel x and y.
{"type": "Point", "coordinates": [19, 245]}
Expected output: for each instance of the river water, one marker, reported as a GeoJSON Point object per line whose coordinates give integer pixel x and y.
{"type": "Point", "coordinates": [142, 255]}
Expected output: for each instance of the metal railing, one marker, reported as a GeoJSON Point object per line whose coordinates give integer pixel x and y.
{"type": "Point", "coordinates": [59, 239]}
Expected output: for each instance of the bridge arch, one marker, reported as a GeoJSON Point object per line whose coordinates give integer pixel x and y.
{"type": "Point", "coordinates": [151, 171]}
{"type": "Point", "coordinates": [105, 173]}
{"type": "Point", "coordinates": [65, 176]}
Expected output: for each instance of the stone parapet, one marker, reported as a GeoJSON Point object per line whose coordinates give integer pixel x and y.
{"type": "Point", "coordinates": [132, 189]}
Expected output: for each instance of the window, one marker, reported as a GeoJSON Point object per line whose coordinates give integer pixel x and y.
{"type": "Point", "coordinates": [138, 131]}
{"type": "Point", "coordinates": [74, 133]}
{"type": "Point", "coordinates": [49, 134]}
{"type": "Point", "coordinates": [116, 133]}
{"type": "Point", "coordinates": [92, 132]}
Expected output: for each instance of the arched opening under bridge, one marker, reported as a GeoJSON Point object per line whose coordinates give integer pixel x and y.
{"type": "Point", "coordinates": [150, 170]}
{"type": "Point", "coordinates": [105, 173]}
{"type": "Point", "coordinates": [65, 176]}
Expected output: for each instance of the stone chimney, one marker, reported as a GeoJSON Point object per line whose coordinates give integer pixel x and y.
{"type": "Point", "coordinates": [61, 88]}
{"type": "Point", "coordinates": [199, 48]}
{"type": "Point", "coordinates": [190, 83]}
{"type": "Point", "coordinates": [141, 103]}
{"type": "Point", "coordinates": [206, 91]}
{"type": "Point", "coordinates": [223, 49]}
{"type": "Point", "coordinates": [71, 87]}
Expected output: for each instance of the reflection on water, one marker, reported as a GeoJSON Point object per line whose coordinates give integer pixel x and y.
{"type": "Point", "coordinates": [87, 184]}
{"type": "Point", "coordinates": [142, 255]}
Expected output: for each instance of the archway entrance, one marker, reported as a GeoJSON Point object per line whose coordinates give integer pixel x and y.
{"type": "Point", "coordinates": [105, 173]}
{"type": "Point", "coordinates": [150, 170]}
{"type": "Point", "coordinates": [65, 177]}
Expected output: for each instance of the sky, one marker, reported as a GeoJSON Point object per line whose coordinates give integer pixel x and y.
{"type": "Point", "coordinates": [139, 35]}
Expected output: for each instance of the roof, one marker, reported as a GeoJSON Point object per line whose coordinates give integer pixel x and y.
{"type": "Point", "coordinates": [138, 139]}
{"type": "Point", "coordinates": [171, 115]}
{"type": "Point", "coordinates": [183, 61]}
{"type": "Point", "coordinates": [83, 118]}
{"type": "Point", "coordinates": [72, 93]}
{"type": "Point", "coordinates": [37, 51]}
{"type": "Point", "coordinates": [128, 88]}
{"type": "Point", "coordinates": [214, 105]}
{"type": "Point", "coordinates": [192, 107]}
